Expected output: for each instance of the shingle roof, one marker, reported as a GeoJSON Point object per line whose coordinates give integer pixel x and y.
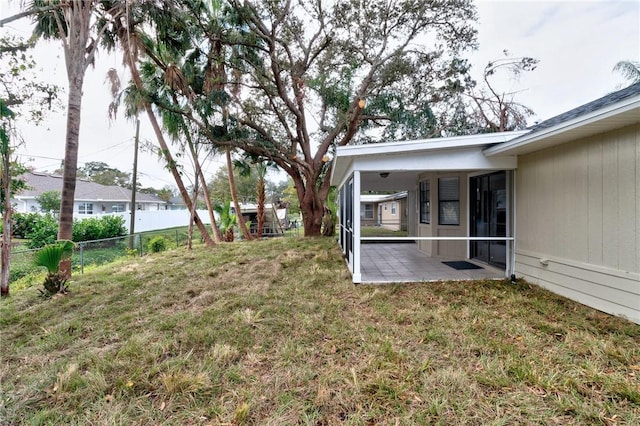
{"type": "Point", "coordinates": [611, 98]}
{"type": "Point", "coordinates": [85, 191]}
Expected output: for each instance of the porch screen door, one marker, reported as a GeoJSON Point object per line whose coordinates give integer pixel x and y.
{"type": "Point", "coordinates": [348, 223]}
{"type": "Point", "coordinates": [488, 215]}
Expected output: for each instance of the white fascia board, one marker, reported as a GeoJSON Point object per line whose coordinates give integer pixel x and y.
{"type": "Point", "coordinates": [389, 148]}
{"type": "Point", "coordinates": [593, 117]}
{"type": "Point", "coordinates": [342, 170]}
{"type": "Point", "coordinates": [416, 155]}
{"type": "Point", "coordinates": [441, 160]}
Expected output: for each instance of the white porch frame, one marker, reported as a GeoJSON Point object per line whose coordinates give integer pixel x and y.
{"type": "Point", "coordinates": [397, 165]}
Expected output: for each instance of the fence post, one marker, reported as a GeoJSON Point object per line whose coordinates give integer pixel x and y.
{"type": "Point", "coordinates": [140, 244]}
{"type": "Point", "coordinates": [81, 258]}
{"type": "Point", "coordinates": [177, 241]}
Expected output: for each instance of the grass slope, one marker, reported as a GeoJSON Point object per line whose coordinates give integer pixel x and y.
{"type": "Point", "coordinates": [273, 333]}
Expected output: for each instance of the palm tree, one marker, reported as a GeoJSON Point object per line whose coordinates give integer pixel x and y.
{"type": "Point", "coordinates": [630, 70]}
{"type": "Point", "coordinates": [74, 24]}
{"type": "Point", "coordinates": [261, 169]}
{"type": "Point", "coordinates": [52, 256]}
{"type": "Point", "coordinates": [227, 220]}
{"type": "Point", "coordinates": [211, 81]}
{"type": "Point", "coordinates": [126, 34]}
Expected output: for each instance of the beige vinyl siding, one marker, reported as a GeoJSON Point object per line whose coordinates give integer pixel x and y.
{"type": "Point", "coordinates": [390, 220]}
{"type": "Point", "coordinates": [577, 206]}
{"type": "Point", "coordinates": [394, 221]}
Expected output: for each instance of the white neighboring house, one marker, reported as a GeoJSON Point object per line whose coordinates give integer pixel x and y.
{"type": "Point", "coordinates": [90, 198]}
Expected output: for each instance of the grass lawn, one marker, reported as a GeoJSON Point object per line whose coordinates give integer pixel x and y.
{"type": "Point", "coordinates": [273, 332]}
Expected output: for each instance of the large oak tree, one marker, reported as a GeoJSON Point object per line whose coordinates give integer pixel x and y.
{"type": "Point", "coordinates": [295, 79]}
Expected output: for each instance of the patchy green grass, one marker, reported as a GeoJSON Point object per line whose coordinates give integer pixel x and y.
{"type": "Point", "coordinates": [273, 332]}
{"type": "Point", "coordinates": [95, 253]}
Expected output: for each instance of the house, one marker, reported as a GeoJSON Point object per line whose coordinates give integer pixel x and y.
{"type": "Point", "coordinates": [385, 210]}
{"type": "Point", "coordinates": [557, 204]}
{"type": "Point", "coordinates": [90, 198]}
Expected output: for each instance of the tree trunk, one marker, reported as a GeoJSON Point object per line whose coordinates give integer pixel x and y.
{"type": "Point", "coordinates": [207, 199]}
{"type": "Point", "coordinates": [261, 200]}
{"type": "Point", "coordinates": [169, 158]}
{"type": "Point", "coordinates": [217, 236]}
{"type": "Point", "coordinates": [191, 216]}
{"type": "Point", "coordinates": [234, 196]}
{"type": "Point", "coordinates": [312, 220]}
{"type": "Point", "coordinates": [5, 245]}
{"type": "Point", "coordinates": [74, 108]}
{"type": "Point", "coordinates": [311, 199]}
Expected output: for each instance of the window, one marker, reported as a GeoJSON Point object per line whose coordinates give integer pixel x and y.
{"type": "Point", "coordinates": [368, 211]}
{"type": "Point", "coordinates": [425, 202]}
{"type": "Point", "coordinates": [393, 208]}
{"type": "Point", "coordinates": [449, 201]}
{"type": "Point", "coordinates": [117, 208]}
{"type": "Point", "coordinates": [85, 208]}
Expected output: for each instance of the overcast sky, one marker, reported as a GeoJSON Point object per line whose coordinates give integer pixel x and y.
{"type": "Point", "coordinates": [577, 42]}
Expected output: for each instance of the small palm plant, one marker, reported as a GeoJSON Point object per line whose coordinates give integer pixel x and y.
{"type": "Point", "coordinates": [50, 257]}
{"type": "Point", "coordinates": [228, 220]}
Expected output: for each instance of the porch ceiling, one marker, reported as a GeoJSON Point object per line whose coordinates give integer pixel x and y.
{"type": "Point", "coordinates": [395, 181]}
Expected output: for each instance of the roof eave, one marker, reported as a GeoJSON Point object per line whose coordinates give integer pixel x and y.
{"type": "Point", "coordinates": [628, 110]}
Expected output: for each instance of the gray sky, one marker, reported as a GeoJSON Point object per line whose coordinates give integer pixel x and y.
{"type": "Point", "coordinates": [577, 42]}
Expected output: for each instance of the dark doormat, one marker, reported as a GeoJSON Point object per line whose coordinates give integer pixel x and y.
{"type": "Point", "coordinates": [462, 264]}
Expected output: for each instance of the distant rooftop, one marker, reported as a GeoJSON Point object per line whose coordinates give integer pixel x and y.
{"type": "Point", "coordinates": [37, 183]}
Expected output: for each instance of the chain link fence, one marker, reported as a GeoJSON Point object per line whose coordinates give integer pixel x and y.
{"type": "Point", "coordinates": [100, 252]}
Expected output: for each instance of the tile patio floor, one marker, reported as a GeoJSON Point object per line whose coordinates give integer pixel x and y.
{"type": "Point", "coordinates": [402, 262]}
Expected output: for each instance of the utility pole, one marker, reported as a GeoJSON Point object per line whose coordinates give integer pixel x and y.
{"type": "Point", "coordinates": [134, 182]}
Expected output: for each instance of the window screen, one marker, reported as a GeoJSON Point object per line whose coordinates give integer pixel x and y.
{"type": "Point", "coordinates": [449, 201]}
{"type": "Point", "coordinates": [425, 202]}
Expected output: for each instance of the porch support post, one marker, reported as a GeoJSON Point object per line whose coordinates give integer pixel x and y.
{"type": "Point", "coordinates": [357, 277]}
{"type": "Point", "coordinates": [512, 244]}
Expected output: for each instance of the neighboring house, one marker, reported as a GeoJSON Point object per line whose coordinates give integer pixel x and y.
{"type": "Point", "coordinates": [90, 198]}
{"type": "Point", "coordinates": [387, 211]}
{"type": "Point", "coordinates": [557, 204]}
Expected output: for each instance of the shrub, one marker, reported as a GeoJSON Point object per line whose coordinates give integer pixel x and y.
{"type": "Point", "coordinates": [18, 270]}
{"type": "Point", "coordinates": [23, 223]}
{"type": "Point", "coordinates": [88, 229]}
{"type": "Point", "coordinates": [158, 244]}
{"type": "Point", "coordinates": [113, 226]}
{"type": "Point", "coordinates": [44, 230]}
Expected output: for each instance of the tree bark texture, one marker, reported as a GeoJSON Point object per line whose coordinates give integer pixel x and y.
{"type": "Point", "coordinates": [5, 245]}
{"type": "Point", "coordinates": [65, 220]}
{"type": "Point", "coordinates": [234, 196]}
